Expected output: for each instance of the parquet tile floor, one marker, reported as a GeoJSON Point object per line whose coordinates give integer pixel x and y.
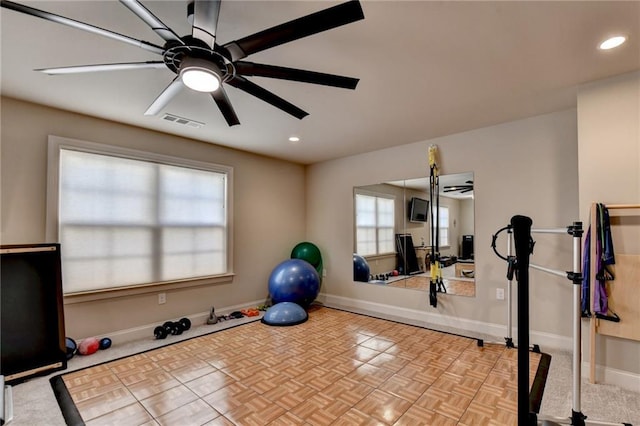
{"type": "Point", "coordinates": [338, 368]}
{"type": "Point", "coordinates": [452, 285]}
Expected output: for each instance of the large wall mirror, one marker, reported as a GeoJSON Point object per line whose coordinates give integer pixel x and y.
{"type": "Point", "coordinates": [392, 235]}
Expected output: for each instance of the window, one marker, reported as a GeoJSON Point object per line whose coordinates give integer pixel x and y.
{"type": "Point", "coordinates": [126, 218]}
{"type": "Point", "coordinates": [443, 227]}
{"type": "Point", "coordinates": [374, 224]}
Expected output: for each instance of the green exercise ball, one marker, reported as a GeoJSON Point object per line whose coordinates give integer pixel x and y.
{"type": "Point", "coordinates": [308, 252]}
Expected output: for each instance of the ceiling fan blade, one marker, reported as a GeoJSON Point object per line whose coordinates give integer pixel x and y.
{"type": "Point", "coordinates": [81, 26]}
{"type": "Point", "coordinates": [163, 99]}
{"type": "Point", "coordinates": [245, 85]}
{"type": "Point", "coordinates": [221, 99]}
{"type": "Point", "coordinates": [205, 20]}
{"type": "Point", "coordinates": [262, 70]}
{"type": "Point", "coordinates": [152, 21]}
{"type": "Point", "coordinates": [314, 23]}
{"type": "Point", "coordinates": [102, 67]}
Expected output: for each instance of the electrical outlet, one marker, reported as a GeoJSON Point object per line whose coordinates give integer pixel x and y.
{"type": "Point", "coordinates": [500, 293]}
{"type": "Point", "coordinates": [324, 273]}
{"type": "Point", "coordinates": [162, 298]}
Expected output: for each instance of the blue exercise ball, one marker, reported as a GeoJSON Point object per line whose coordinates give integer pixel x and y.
{"type": "Point", "coordinates": [285, 313]}
{"type": "Point", "coordinates": [361, 270]}
{"type": "Point", "coordinates": [72, 347]}
{"type": "Point", "coordinates": [294, 280]}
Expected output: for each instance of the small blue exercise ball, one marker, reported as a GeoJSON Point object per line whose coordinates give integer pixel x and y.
{"type": "Point", "coordinates": [105, 343]}
{"type": "Point", "coordinates": [307, 251]}
{"type": "Point", "coordinates": [361, 270]}
{"type": "Point", "coordinates": [294, 280]}
{"type": "Point", "coordinates": [285, 313]}
{"type": "Point", "coordinates": [72, 347]}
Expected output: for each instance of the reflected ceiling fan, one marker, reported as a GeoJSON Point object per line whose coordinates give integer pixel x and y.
{"type": "Point", "coordinates": [203, 65]}
{"type": "Point", "coordinates": [462, 188]}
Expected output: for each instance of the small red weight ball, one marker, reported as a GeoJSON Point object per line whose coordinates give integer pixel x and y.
{"type": "Point", "coordinates": [89, 346]}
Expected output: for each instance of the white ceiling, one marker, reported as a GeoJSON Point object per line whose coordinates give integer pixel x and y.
{"type": "Point", "coordinates": [427, 68]}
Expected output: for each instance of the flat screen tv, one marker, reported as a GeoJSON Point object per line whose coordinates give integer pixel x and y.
{"type": "Point", "coordinates": [418, 210]}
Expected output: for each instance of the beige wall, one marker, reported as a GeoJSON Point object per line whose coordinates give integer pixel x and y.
{"type": "Point", "coordinates": [525, 167]}
{"type": "Point", "coordinates": [467, 216]}
{"type": "Point", "coordinates": [609, 168]}
{"type": "Point", "coordinates": [269, 211]}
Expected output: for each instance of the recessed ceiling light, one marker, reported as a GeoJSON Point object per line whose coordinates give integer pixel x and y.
{"type": "Point", "coordinates": [612, 42]}
{"type": "Point", "coordinates": [294, 139]}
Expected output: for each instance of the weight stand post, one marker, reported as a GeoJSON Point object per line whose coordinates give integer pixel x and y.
{"type": "Point", "coordinates": [522, 236]}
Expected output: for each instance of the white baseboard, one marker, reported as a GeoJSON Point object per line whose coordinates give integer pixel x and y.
{"type": "Point", "coordinates": [465, 327]}
{"type": "Point", "coordinates": [489, 332]}
{"type": "Point", "coordinates": [612, 376]}
{"type": "Point", "coordinates": [145, 331]}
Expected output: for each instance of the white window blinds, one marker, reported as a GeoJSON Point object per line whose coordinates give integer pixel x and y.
{"type": "Point", "coordinates": [125, 222]}
{"type": "Point", "coordinates": [374, 225]}
{"type": "Point", "coordinates": [443, 231]}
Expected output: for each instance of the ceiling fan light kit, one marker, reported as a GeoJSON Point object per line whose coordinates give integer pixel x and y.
{"type": "Point", "coordinates": [202, 64]}
{"type": "Point", "coordinates": [461, 188]}
{"type": "Point", "coordinates": [200, 75]}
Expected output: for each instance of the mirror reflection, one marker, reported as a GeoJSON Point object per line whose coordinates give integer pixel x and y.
{"type": "Point", "coordinates": [393, 227]}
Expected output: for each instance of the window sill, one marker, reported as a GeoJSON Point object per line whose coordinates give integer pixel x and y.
{"type": "Point", "coordinates": [113, 293]}
{"type": "Point", "coordinates": [379, 256]}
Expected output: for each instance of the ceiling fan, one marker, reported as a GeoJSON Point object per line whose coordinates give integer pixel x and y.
{"type": "Point", "coordinates": [202, 64]}
{"type": "Point", "coordinates": [462, 188]}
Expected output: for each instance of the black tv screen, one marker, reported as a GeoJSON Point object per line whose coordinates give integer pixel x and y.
{"type": "Point", "coordinates": [418, 210]}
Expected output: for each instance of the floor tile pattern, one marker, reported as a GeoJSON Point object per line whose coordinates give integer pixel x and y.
{"type": "Point", "coordinates": [452, 285]}
{"type": "Point", "coordinates": [338, 368]}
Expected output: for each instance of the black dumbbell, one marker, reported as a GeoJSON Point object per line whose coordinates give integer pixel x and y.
{"type": "Point", "coordinates": [175, 327]}
{"type": "Point", "coordinates": [171, 327]}
{"type": "Point", "coordinates": [160, 332]}
{"type": "Point", "coordinates": [186, 323]}
{"type": "Point", "coordinates": [168, 326]}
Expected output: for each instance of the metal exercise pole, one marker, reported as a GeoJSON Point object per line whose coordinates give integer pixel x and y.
{"type": "Point", "coordinates": [550, 230]}
{"type": "Point", "coordinates": [577, 332]}
{"type": "Point", "coordinates": [511, 262]}
{"type": "Point", "coordinates": [509, 337]}
{"type": "Point", "coordinates": [559, 273]}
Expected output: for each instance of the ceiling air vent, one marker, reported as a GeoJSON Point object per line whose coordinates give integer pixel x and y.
{"type": "Point", "coordinates": [182, 121]}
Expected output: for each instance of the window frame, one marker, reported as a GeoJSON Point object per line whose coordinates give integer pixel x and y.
{"type": "Point", "coordinates": [447, 227]}
{"type": "Point", "coordinates": [358, 191]}
{"type": "Point", "coordinates": [56, 144]}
